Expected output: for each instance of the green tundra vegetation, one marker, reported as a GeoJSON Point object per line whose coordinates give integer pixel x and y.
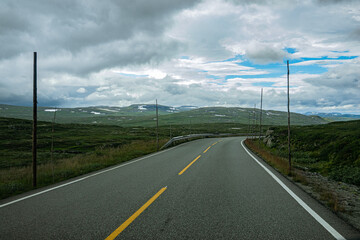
{"type": "Point", "coordinates": [331, 149]}
{"type": "Point", "coordinates": [79, 148]}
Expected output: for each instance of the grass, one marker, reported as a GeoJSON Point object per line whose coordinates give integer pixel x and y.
{"type": "Point", "coordinates": [281, 164]}
{"type": "Point", "coordinates": [79, 149]}
{"type": "Point", "coordinates": [332, 149]}
{"type": "Point", "coordinates": [19, 179]}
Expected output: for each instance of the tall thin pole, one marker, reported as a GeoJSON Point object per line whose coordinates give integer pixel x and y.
{"type": "Point", "coordinates": [288, 96]}
{"type": "Point", "coordinates": [52, 144]}
{"type": "Point", "coordinates": [260, 114]}
{"type": "Point", "coordinates": [157, 127]}
{"type": "Point", "coordinates": [34, 145]}
{"type": "Point", "coordinates": [249, 125]}
{"type": "Point", "coordinates": [254, 121]}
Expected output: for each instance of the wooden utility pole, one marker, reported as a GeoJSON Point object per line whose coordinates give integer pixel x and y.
{"type": "Point", "coordinates": [260, 114]}
{"type": "Point", "coordinates": [288, 106]}
{"type": "Point", "coordinates": [34, 144]}
{"type": "Point", "coordinates": [157, 127]}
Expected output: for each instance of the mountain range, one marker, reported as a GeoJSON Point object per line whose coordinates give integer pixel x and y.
{"type": "Point", "coordinates": [334, 116]}
{"type": "Point", "coordinates": [144, 115]}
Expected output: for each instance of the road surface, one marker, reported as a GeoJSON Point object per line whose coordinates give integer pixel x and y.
{"type": "Point", "coordinates": [205, 189]}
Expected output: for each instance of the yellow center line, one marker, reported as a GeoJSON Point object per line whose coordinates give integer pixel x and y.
{"type": "Point", "coordinates": [206, 149]}
{"type": "Point", "coordinates": [189, 165]}
{"type": "Point", "coordinates": [135, 215]}
{"type": "Point", "coordinates": [213, 143]}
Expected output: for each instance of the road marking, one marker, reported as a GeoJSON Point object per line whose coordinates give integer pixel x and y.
{"type": "Point", "coordinates": [214, 143]}
{"type": "Point", "coordinates": [134, 216]}
{"type": "Point", "coordinates": [83, 178]}
{"type": "Point", "coordinates": [319, 219]}
{"type": "Point", "coordinates": [206, 149]}
{"type": "Point", "coordinates": [189, 165]}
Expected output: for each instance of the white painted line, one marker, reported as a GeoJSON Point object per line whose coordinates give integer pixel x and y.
{"type": "Point", "coordinates": [320, 220]}
{"type": "Point", "coordinates": [83, 178]}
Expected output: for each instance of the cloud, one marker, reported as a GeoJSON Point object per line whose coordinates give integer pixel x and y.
{"type": "Point", "coordinates": [175, 89]}
{"type": "Point", "coordinates": [264, 54]}
{"type": "Point", "coordinates": [342, 78]}
{"type": "Point", "coordinates": [75, 25]}
{"type": "Point", "coordinates": [208, 52]}
{"type": "Point", "coordinates": [80, 37]}
{"type": "Point", "coordinates": [81, 90]}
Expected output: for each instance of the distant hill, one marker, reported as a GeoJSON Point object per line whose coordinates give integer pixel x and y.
{"type": "Point", "coordinates": [334, 116]}
{"type": "Point", "coordinates": [144, 115]}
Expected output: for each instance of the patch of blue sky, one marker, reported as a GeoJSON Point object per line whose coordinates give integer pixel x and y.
{"type": "Point", "coordinates": [279, 69]}
{"type": "Point", "coordinates": [263, 84]}
{"type": "Point", "coordinates": [346, 57]}
{"type": "Point", "coordinates": [314, 68]}
{"type": "Point", "coordinates": [341, 51]}
{"type": "Point", "coordinates": [322, 58]}
{"type": "Point", "coordinates": [328, 58]}
{"type": "Point", "coordinates": [269, 66]}
{"type": "Point", "coordinates": [308, 69]}
{"type": "Point", "coordinates": [291, 50]}
{"type": "Point", "coordinates": [247, 63]}
{"type": "Point", "coordinates": [184, 57]}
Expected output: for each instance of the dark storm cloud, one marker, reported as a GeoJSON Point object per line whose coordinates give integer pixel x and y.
{"type": "Point", "coordinates": [108, 55]}
{"type": "Point", "coordinates": [50, 26]}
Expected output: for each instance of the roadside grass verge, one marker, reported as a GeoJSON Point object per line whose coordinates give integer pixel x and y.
{"type": "Point", "coordinates": [19, 179]}
{"type": "Point", "coordinates": [280, 163]}
{"type": "Point", "coordinates": [333, 149]}
{"type": "Point", "coordinates": [329, 198]}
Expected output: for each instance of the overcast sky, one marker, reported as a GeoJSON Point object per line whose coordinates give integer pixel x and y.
{"type": "Point", "coordinates": [185, 52]}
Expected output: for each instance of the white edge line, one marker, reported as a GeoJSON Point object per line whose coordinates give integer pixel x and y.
{"type": "Point", "coordinates": [320, 220]}
{"type": "Point", "coordinates": [83, 178]}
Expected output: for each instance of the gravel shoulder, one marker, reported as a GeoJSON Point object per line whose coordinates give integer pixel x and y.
{"type": "Point", "coordinates": [347, 196]}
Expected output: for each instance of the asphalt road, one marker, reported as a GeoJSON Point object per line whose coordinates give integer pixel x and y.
{"type": "Point", "coordinates": [223, 194]}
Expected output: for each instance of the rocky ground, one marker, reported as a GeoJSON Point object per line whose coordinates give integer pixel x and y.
{"type": "Point", "coordinates": [346, 197]}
